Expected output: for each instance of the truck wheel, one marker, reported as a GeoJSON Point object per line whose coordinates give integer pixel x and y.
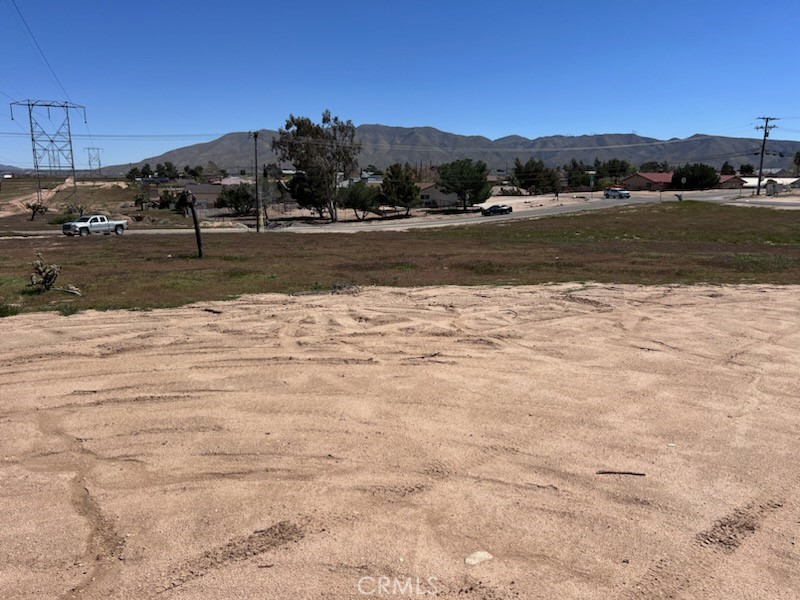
{"type": "Point", "coordinates": [84, 232]}
{"type": "Point", "coordinates": [119, 229]}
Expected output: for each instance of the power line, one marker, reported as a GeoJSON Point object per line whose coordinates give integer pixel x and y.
{"type": "Point", "coordinates": [41, 52]}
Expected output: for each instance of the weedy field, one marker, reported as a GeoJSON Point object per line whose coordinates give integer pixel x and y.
{"type": "Point", "coordinates": [687, 243]}
{"type": "Point", "coordinates": [101, 196]}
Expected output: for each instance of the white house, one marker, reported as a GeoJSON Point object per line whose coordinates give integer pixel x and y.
{"type": "Point", "coordinates": [432, 197]}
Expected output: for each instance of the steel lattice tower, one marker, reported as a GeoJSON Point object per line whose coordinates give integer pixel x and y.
{"type": "Point", "coordinates": [52, 146]}
{"type": "Point", "coordinates": [95, 168]}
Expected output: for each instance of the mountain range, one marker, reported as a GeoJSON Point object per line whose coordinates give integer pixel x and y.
{"type": "Point", "coordinates": [383, 145]}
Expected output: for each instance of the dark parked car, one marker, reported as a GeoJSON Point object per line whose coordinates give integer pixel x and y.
{"type": "Point", "coordinates": [497, 209]}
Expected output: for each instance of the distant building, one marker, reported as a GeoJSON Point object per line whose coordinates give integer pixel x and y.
{"type": "Point", "coordinates": [730, 182]}
{"type": "Point", "coordinates": [781, 183]}
{"type": "Point", "coordinates": [371, 179]}
{"type": "Point", "coordinates": [433, 197]}
{"type": "Point", "coordinates": [205, 194]}
{"type": "Point", "coordinates": [647, 181]}
{"type": "Point", "coordinates": [234, 181]}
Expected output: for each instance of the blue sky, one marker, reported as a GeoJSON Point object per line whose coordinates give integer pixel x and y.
{"type": "Point", "coordinates": [170, 71]}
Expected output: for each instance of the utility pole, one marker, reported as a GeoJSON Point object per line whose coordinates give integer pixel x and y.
{"type": "Point", "coordinates": [766, 127]}
{"type": "Point", "coordinates": [260, 217]}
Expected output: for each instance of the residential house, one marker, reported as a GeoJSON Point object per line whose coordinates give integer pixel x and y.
{"type": "Point", "coordinates": [647, 181]}
{"type": "Point", "coordinates": [205, 194]}
{"type": "Point", "coordinates": [730, 182]}
{"type": "Point", "coordinates": [433, 197]}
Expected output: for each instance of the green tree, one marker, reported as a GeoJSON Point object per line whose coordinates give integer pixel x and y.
{"type": "Point", "coordinates": [240, 200]}
{"type": "Point", "coordinates": [399, 186]}
{"type": "Point", "coordinates": [310, 191]}
{"type": "Point", "coordinates": [535, 177]}
{"type": "Point", "coordinates": [322, 150]}
{"type": "Point", "coordinates": [147, 171]}
{"type": "Point", "coordinates": [194, 173]}
{"type": "Point", "coordinates": [361, 198]}
{"type": "Point", "coordinates": [212, 171]}
{"type": "Point", "coordinates": [614, 169]}
{"type": "Point", "coordinates": [133, 174]}
{"type": "Point", "coordinates": [653, 166]}
{"type": "Point", "coordinates": [273, 171]}
{"type": "Point", "coordinates": [166, 198]}
{"type": "Point", "coordinates": [182, 201]}
{"type": "Point", "coordinates": [142, 200]}
{"type": "Point", "coordinates": [698, 177]}
{"type": "Point", "coordinates": [727, 169]}
{"type": "Point", "coordinates": [796, 163]}
{"type": "Point", "coordinates": [746, 169]}
{"type": "Point", "coordinates": [577, 176]}
{"type": "Point", "coordinates": [170, 171]}
{"type": "Point", "coordinates": [466, 179]}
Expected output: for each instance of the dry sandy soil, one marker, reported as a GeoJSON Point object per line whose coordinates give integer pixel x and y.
{"type": "Point", "coordinates": [305, 447]}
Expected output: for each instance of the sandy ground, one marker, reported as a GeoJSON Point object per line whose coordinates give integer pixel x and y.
{"type": "Point", "coordinates": [15, 206]}
{"type": "Point", "coordinates": [306, 447]}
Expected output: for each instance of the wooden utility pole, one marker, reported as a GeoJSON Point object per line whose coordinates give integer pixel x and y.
{"type": "Point", "coordinates": [191, 201]}
{"type": "Point", "coordinates": [260, 217]}
{"type": "Point", "coordinates": [766, 127]}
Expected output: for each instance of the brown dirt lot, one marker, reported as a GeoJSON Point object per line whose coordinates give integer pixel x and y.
{"type": "Point", "coordinates": [298, 447]}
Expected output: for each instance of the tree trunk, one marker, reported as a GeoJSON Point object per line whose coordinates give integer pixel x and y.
{"type": "Point", "coordinates": [196, 230]}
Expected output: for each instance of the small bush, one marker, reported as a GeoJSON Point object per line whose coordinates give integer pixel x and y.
{"type": "Point", "coordinates": [68, 309]}
{"type": "Point", "coordinates": [9, 310]}
{"type": "Point", "coordinates": [61, 219]}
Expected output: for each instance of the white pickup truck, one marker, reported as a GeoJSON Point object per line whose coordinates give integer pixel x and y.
{"type": "Point", "coordinates": [83, 226]}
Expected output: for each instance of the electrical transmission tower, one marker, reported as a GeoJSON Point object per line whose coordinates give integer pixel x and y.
{"type": "Point", "coordinates": [52, 146]}
{"type": "Point", "coordinates": [766, 127]}
{"type": "Point", "coordinates": [95, 168]}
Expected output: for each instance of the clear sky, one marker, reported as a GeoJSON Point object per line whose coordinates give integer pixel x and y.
{"type": "Point", "coordinates": [176, 72]}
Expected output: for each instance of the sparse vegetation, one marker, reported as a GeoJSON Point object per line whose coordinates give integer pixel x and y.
{"type": "Point", "coordinates": [239, 200]}
{"type": "Point", "coordinates": [68, 309]}
{"type": "Point", "coordinates": [9, 310]}
{"type": "Point", "coordinates": [690, 242]}
{"type": "Point", "coordinates": [37, 207]}
{"type": "Point", "coordinates": [44, 275]}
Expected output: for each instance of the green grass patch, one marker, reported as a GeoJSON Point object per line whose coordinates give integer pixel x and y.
{"type": "Point", "coordinates": [647, 244]}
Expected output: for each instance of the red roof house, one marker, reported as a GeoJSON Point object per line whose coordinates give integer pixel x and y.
{"type": "Point", "coordinates": [648, 181]}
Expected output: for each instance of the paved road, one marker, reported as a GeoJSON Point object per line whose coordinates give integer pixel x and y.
{"type": "Point", "coordinates": [715, 196]}
{"type": "Point", "coordinates": [468, 219]}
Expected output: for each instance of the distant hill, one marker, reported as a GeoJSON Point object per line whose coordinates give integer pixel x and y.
{"type": "Point", "coordinates": [383, 145]}
{"type": "Point", "coordinates": [9, 169]}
